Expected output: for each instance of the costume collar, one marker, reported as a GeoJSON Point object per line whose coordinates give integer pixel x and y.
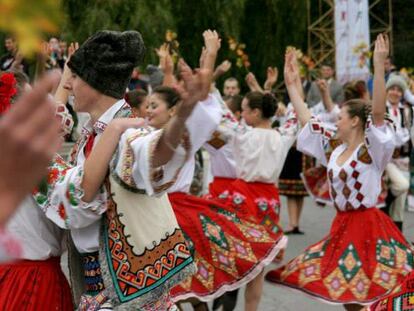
{"type": "Point", "coordinates": [99, 126]}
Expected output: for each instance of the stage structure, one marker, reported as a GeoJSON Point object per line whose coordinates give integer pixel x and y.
{"type": "Point", "coordinates": [321, 26]}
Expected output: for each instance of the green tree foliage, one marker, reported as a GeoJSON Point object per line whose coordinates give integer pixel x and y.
{"type": "Point", "coordinates": [151, 18]}
{"type": "Point", "coordinates": [270, 26]}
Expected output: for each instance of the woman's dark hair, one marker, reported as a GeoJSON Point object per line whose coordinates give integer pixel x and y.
{"type": "Point", "coordinates": [266, 103]}
{"type": "Point", "coordinates": [234, 102]}
{"type": "Point", "coordinates": [355, 89]}
{"type": "Point", "coordinates": [358, 108]}
{"type": "Point", "coordinates": [168, 94]}
{"type": "Point", "coordinates": [136, 98]}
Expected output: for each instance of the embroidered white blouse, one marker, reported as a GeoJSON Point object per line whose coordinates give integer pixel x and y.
{"type": "Point", "coordinates": [357, 182]}
{"type": "Point", "coordinates": [259, 154]}
{"type": "Point", "coordinates": [200, 125]}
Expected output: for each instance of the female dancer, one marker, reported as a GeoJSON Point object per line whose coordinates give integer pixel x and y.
{"type": "Point", "coordinates": [365, 254]}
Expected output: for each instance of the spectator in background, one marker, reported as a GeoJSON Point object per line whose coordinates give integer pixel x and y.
{"type": "Point", "coordinates": [231, 87]}
{"type": "Point", "coordinates": [136, 83]}
{"type": "Point", "coordinates": [389, 68]}
{"type": "Point", "coordinates": [137, 99]}
{"type": "Point", "coordinates": [397, 170]}
{"type": "Point", "coordinates": [155, 76]}
{"type": "Point", "coordinates": [12, 59]}
{"type": "Point", "coordinates": [57, 56]}
{"type": "Point", "coordinates": [335, 89]}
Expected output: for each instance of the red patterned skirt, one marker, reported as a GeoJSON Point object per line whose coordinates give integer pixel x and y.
{"type": "Point", "coordinates": [229, 248]}
{"type": "Point", "coordinates": [34, 285]}
{"type": "Point", "coordinates": [218, 186]}
{"type": "Point", "coordinates": [316, 183]}
{"type": "Point", "coordinates": [400, 298]}
{"type": "Point", "coordinates": [363, 257]}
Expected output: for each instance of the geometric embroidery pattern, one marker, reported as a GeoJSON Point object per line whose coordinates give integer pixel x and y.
{"type": "Point", "coordinates": [242, 250]}
{"type": "Point", "coordinates": [213, 232]}
{"type": "Point", "coordinates": [335, 283]}
{"type": "Point", "coordinates": [384, 276]}
{"type": "Point", "coordinates": [291, 267]}
{"type": "Point", "coordinates": [310, 271]}
{"type": "Point", "coordinates": [349, 263]}
{"type": "Point", "coordinates": [385, 253]}
{"type": "Point", "coordinates": [205, 273]}
{"type": "Point", "coordinates": [223, 259]}
{"type": "Point", "coordinates": [359, 285]}
{"type": "Point", "coordinates": [254, 233]}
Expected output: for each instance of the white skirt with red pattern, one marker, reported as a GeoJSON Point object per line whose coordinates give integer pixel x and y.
{"type": "Point", "coordinates": [361, 259]}
{"type": "Point", "coordinates": [229, 244]}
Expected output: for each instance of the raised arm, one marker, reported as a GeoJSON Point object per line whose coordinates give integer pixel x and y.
{"type": "Point", "coordinates": [325, 94]}
{"type": "Point", "coordinates": [271, 78]}
{"type": "Point", "coordinates": [196, 88]}
{"type": "Point", "coordinates": [252, 83]}
{"type": "Point", "coordinates": [381, 52]}
{"type": "Point", "coordinates": [166, 65]}
{"type": "Point", "coordinates": [221, 69]}
{"type": "Point", "coordinates": [291, 73]}
{"type": "Point", "coordinates": [212, 44]}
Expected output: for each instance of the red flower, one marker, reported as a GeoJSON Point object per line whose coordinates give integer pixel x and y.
{"type": "Point", "coordinates": [52, 176]}
{"type": "Point", "coordinates": [62, 212]}
{"type": "Point", "coordinates": [7, 91]}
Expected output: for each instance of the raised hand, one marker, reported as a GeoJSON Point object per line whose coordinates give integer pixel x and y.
{"type": "Point", "coordinates": [252, 83]}
{"type": "Point", "coordinates": [212, 42]}
{"type": "Point", "coordinates": [291, 69]}
{"type": "Point", "coordinates": [195, 88]}
{"type": "Point", "coordinates": [221, 69]}
{"type": "Point", "coordinates": [72, 49]}
{"type": "Point", "coordinates": [166, 61]}
{"type": "Point", "coordinates": [292, 81]}
{"type": "Point", "coordinates": [322, 86]}
{"type": "Point", "coordinates": [224, 67]}
{"type": "Point", "coordinates": [382, 49]}
{"type": "Point", "coordinates": [272, 75]}
{"type": "Point", "coordinates": [381, 52]}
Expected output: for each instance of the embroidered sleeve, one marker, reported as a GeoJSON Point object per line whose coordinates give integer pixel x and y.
{"type": "Point", "coordinates": [60, 194]}
{"type": "Point", "coordinates": [132, 166]}
{"type": "Point", "coordinates": [317, 140]}
{"type": "Point", "coordinates": [289, 130]}
{"type": "Point", "coordinates": [381, 142]}
{"type": "Point", "coordinates": [65, 119]}
{"type": "Point", "coordinates": [203, 121]}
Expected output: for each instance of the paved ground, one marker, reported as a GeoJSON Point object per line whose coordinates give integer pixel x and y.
{"type": "Point", "coordinates": [316, 222]}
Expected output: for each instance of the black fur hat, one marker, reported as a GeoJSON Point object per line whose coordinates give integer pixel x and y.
{"type": "Point", "coordinates": [105, 60]}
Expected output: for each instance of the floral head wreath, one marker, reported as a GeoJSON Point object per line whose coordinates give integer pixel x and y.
{"type": "Point", "coordinates": [7, 91]}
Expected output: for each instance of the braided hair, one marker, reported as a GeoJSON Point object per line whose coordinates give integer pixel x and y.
{"type": "Point", "coordinates": [266, 103]}
{"type": "Point", "coordinates": [359, 108]}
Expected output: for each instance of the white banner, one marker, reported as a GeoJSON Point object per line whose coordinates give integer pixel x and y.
{"type": "Point", "coordinates": [352, 40]}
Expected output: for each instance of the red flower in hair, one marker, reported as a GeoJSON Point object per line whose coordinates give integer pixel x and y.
{"type": "Point", "coordinates": [7, 91]}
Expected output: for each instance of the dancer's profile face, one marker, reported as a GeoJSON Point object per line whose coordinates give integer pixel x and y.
{"type": "Point", "coordinates": [346, 124]}
{"type": "Point", "coordinates": [158, 113]}
{"type": "Point", "coordinates": [84, 95]}
{"type": "Point", "coordinates": [248, 114]}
